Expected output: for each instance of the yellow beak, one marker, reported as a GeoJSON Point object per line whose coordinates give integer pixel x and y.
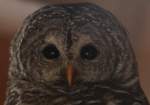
{"type": "Point", "coordinates": [69, 74]}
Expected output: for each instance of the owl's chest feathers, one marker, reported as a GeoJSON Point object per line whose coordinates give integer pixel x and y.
{"type": "Point", "coordinates": [55, 94]}
{"type": "Point", "coordinates": [87, 94]}
{"type": "Point", "coordinates": [80, 95]}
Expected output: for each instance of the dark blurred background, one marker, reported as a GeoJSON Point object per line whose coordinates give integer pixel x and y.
{"type": "Point", "coordinates": [134, 15]}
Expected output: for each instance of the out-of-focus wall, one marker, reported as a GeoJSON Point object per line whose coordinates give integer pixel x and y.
{"type": "Point", "coordinates": [134, 15]}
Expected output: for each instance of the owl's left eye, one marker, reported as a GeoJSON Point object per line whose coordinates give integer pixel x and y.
{"type": "Point", "coordinates": [88, 52]}
{"type": "Point", "coordinates": [50, 52]}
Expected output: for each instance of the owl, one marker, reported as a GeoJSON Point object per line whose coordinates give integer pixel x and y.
{"type": "Point", "coordinates": [73, 54]}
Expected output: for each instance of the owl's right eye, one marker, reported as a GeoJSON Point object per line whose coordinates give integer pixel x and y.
{"type": "Point", "coordinates": [88, 52]}
{"type": "Point", "coordinates": [50, 52]}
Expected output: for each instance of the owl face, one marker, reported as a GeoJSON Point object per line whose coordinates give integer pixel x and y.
{"type": "Point", "coordinates": [73, 54]}
{"type": "Point", "coordinates": [48, 57]}
{"type": "Point", "coordinates": [71, 43]}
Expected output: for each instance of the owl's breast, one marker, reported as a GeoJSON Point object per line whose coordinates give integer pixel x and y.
{"type": "Point", "coordinates": [92, 95]}
{"type": "Point", "coordinates": [79, 95]}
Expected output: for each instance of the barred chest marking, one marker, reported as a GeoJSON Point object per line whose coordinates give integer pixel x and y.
{"type": "Point", "coordinates": [92, 95]}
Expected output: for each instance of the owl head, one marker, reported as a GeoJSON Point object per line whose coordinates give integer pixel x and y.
{"type": "Point", "coordinates": [73, 43]}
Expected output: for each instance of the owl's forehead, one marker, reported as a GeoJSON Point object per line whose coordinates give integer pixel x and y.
{"type": "Point", "coordinates": [69, 39]}
{"type": "Point", "coordinates": [70, 23]}
{"type": "Point", "coordinates": [67, 16]}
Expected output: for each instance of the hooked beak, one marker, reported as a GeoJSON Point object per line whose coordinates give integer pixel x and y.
{"type": "Point", "coordinates": [70, 74]}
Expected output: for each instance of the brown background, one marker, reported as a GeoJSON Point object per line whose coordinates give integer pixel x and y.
{"type": "Point", "coordinates": [134, 14]}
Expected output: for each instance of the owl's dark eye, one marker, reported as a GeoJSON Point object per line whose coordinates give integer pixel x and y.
{"type": "Point", "coordinates": [88, 52]}
{"type": "Point", "coordinates": [50, 52]}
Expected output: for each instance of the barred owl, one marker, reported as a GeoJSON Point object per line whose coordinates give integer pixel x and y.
{"type": "Point", "coordinates": [73, 54]}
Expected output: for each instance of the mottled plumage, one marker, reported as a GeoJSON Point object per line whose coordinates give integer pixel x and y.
{"type": "Point", "coordinates": [85, 36]}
